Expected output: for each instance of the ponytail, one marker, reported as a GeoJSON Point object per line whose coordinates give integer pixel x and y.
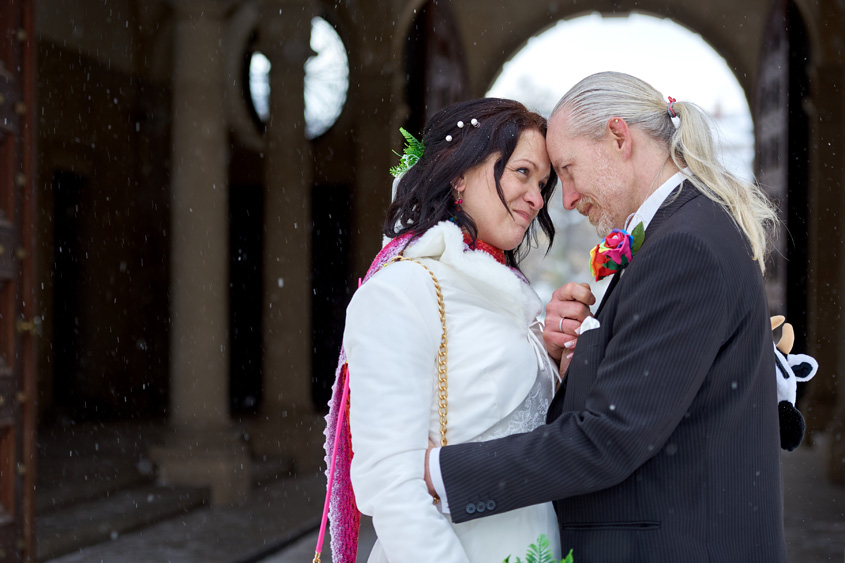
{"type": "Point", "coordinates": [597, 98]}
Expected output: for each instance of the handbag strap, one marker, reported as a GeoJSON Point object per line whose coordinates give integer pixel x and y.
{"type": "Point", "coordinates": [442, 400]}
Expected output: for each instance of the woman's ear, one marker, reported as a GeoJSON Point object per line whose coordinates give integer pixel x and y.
{"type": "Point", "coordinates": [459, 184]}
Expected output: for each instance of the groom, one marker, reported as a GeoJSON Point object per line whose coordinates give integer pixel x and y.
{"type": "Point", "coordinates": [663, 445]}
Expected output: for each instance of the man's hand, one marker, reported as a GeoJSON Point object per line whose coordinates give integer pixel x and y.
{"type": "Point", "coordinates": [568, 308]}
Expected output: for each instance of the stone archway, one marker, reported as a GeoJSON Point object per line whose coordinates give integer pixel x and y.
{"type": "Point", "coordinates": [505, 27]}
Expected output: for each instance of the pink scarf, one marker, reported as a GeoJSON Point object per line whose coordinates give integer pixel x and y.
{"type": "Point", "coordinates": [344, 516]}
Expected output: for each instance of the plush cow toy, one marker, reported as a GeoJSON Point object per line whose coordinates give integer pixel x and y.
{"type": "Point", "coordinates": [789, 370]}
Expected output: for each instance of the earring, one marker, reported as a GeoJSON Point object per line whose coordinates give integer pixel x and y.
{"type": "Point", "coordinates": [458, 198]}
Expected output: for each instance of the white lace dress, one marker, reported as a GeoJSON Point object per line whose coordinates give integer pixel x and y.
{"type": "Point", "coordinates": [500, 382]}
{"type": "Point", "coordinates": [522, 527]}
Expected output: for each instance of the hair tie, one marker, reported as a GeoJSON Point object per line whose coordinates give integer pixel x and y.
{"type": "Point", "coordinates": [670, 106]}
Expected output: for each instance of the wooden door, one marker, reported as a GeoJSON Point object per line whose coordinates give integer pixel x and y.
{"type": "Point", "coordinates": [17, 303]}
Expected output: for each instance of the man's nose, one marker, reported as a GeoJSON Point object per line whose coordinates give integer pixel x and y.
{"type": "Point", "coordinates": [570, 195]}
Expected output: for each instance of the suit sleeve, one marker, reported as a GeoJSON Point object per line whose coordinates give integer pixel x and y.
{"type": "Point", "coordinates": [391, 340]}
{"type": "Point", "coordinates": [667, 331]}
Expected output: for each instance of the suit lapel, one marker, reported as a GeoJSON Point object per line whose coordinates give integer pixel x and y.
{"type": "Point", "coordinates": [679, 197]}
{"type": "Point", "coordinates": [556, 406]}
{"type": "Point", "coordinates": [613, 281]}
{"type": "Point", "coordinates": [676, 199]}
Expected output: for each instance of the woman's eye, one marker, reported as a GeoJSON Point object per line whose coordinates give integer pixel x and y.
{"type": "Point", "coordinates": [522, 171]}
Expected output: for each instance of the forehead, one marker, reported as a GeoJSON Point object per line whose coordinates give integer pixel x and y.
{"type": "Point", "coordinates": [559, 141]}
{"type": "Point", "coordinates": [531, 143]}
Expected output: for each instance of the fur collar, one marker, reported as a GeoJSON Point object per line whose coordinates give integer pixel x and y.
{"type": "Point", "coordinates": [497, 283]}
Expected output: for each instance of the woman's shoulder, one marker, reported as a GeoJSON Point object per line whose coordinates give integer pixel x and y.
{"type": "Point", "coordinates": [400, 296]}
{"type": "Point", "coordinates": [398, 285]}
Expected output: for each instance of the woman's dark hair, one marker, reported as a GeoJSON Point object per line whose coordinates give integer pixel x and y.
{"type": "Point", "coordinates": [424, 196]}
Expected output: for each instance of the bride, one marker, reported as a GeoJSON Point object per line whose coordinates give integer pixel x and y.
{"type": "Point", "coordinates": [465, 213]}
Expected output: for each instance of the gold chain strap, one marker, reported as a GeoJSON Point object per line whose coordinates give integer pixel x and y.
{"type": "Point", "coordinates": [442, 402]}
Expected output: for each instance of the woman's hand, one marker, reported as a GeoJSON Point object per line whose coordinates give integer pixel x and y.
{"type": "Point", "coordinates": [568, 308]}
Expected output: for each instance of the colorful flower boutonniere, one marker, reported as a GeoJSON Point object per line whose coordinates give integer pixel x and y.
{"type": "Point", "coordinates": [615, 251]}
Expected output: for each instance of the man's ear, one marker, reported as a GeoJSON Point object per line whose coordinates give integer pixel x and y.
{"type": "Point", "coordinates": [620, 134]}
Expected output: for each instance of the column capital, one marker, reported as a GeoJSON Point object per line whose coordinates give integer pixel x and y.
{"type": "Point", "coordinates": [287, 7]}
{"type": "Point", "coordinates": [284, 31]}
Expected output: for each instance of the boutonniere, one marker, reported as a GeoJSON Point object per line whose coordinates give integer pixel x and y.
{"type": "Point", "coordinates": [615, 251]}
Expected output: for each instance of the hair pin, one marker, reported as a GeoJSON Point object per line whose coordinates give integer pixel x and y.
{"type": "Point", "coordinates": [460, 124]}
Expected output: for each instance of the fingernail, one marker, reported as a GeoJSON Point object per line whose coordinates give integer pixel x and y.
{"type": "Point", "coordinates": [569, 344]}
{"type": "Point", "coordinates": [569, 356]}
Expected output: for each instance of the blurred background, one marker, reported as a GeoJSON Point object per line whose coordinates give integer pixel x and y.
{"type": "Point", "coordinates": [190, 189]}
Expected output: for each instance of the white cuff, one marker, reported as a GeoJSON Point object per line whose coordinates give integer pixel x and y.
{"type": "Point", "coordinates": [437, 479]}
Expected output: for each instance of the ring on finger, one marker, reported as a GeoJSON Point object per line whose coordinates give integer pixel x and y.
{"type": "Point", "coordinates": [560, 325]}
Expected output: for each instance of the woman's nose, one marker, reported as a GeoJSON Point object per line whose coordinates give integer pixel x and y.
{"type": "Point", "coordinates": [534, 198]}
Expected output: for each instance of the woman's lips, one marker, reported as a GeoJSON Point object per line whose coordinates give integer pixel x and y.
{"type": "Point", "coordinates": [524, 215]}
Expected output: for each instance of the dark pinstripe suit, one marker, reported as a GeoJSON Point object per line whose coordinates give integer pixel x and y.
{"type": "Point", "coordinates": [664, 446]}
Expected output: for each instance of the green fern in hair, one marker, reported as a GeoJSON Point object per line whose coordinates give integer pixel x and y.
{"type": "Point", "coordinates": [541, 552]}
{"type": "Point", "coordinates": [414, 150]}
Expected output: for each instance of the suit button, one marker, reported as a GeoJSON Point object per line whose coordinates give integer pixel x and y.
{"type": "Point", "coordinates": [480, 507]}
{"type": "Point", "coordinates": [470, 508]}
{"type": "Point", "coordinates": [491, 505]}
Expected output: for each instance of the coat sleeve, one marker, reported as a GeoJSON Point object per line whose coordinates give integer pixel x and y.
{"type": "Point", "coordinates": [665, 335]}
{"type": "Point", "coordinates": [391, 339]}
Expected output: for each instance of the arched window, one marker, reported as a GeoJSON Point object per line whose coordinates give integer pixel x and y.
{"type": "Point", "coordinates": [691, 70]}
{"type": "Point", "coordinates": [326, 80]}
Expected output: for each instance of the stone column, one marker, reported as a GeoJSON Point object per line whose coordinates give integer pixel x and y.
{"type": "Point", "coordinates": [203, 447]}
{"type": "Point", "coordinates": [376, 80]}
{"type": "Point", "coordinates": [288, 425]}
{"type": "Point", "coordinates": [826, 278]}
{"type": "Point", "coordinates": [825, 400]}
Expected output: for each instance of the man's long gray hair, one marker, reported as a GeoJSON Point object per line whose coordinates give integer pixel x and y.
{"type": "Point", "coordinates": [593, 101]}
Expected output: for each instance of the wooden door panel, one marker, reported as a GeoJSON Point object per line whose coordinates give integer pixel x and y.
{"type": "Point", "coordinates": [17, 366]}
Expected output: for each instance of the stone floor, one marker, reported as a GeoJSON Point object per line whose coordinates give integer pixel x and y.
{"type": "Point", "coordinates": [277, 524]}
{"type": "Point", "coordinates": [275, 515]}
{"type": "Point", "coordinates": [814, 515]}
{"type": "Point", "coordinates": [814, 509]}
{"type": "Point", "coordinates": [302, 550]}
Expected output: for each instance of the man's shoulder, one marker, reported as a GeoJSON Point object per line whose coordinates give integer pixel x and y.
{"type": "Point", "coordinates": [699, 215]}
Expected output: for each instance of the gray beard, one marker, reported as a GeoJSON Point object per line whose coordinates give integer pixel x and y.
{"type": "Point", "coordinates": [604, 225]}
